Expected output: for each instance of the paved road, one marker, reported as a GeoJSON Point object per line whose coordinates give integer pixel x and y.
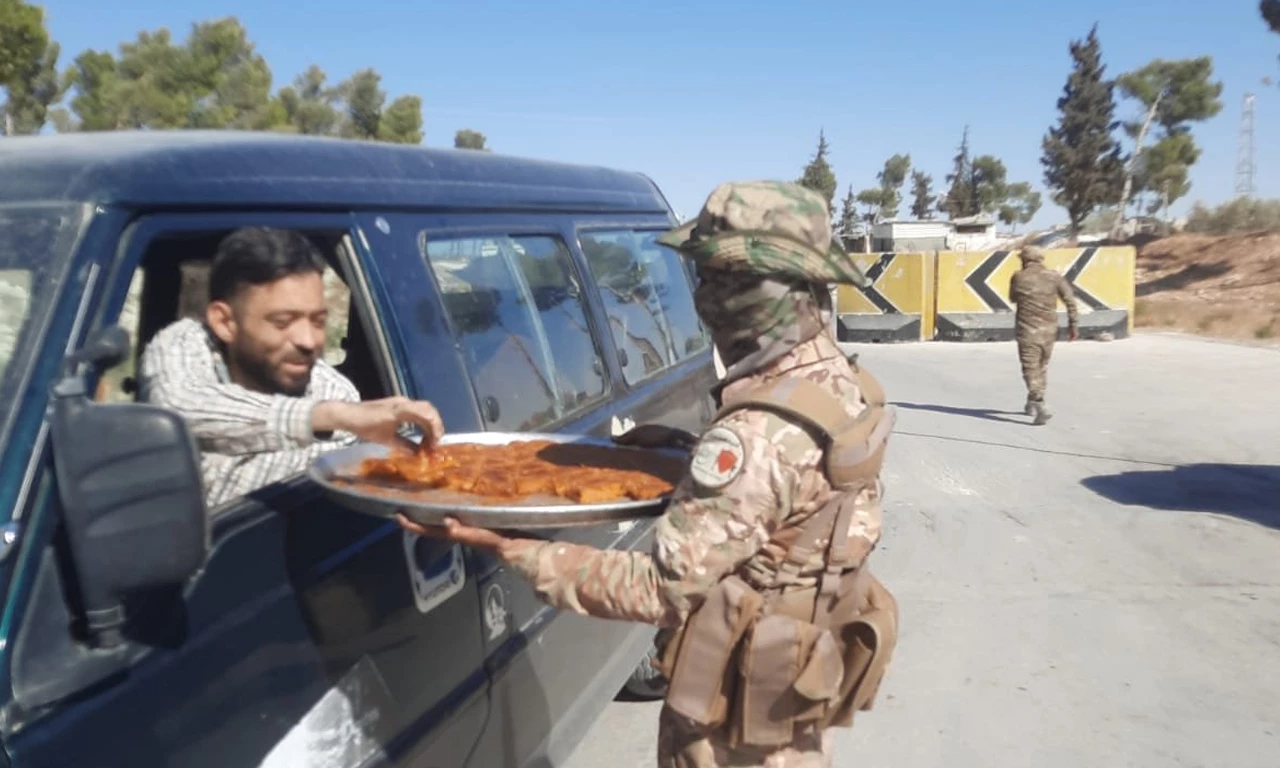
{"type": "Point", "coordinates": [1100, 591]}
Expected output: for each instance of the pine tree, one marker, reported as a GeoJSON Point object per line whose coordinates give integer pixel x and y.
{"type": "Point", "coordinates": [848, 215]}
{"type": "Point", "coordinates": [818, 175]}
{"type": "Point", "coordinates": [958, 200]}
{"type": "Point", "coordinates": [1083, 167]}
{"type": "Point", "coordinates": [922, 195]}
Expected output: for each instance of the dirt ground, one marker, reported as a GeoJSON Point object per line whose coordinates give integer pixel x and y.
{"type": "Point", "coordinates": [1226, 287]}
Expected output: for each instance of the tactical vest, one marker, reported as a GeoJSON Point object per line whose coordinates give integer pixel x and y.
{"type": "Point", "coordinates": [763, 663]}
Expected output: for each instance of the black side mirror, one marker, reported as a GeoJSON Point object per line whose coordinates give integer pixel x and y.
{"type": "Point", "coordinates": [132, 497]}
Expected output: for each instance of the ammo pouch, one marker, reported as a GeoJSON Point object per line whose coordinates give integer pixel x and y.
{"type": "Point", "coordinates": [706, 648]}
{"type": "Point", "coordinates": [761, 667]}
{"type": "Point", "coordinates": [762, 664]}
{"type": "Point", "coordinates": [797, 673]}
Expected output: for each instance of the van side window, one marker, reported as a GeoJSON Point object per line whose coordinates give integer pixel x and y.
{"type": "Point", "coordinates": [647, 295]}
{"type": "Point", "coordinates": [337, 300]}
{"type": "Point", "coordinates": [516, 307]}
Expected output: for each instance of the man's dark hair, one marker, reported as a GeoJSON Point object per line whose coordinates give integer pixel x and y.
{"type": "Point", "coordinates": [258, 256]}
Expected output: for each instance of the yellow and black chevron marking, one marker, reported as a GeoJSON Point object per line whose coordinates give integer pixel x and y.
{"type": "Point", "coordinates": [1102, 278]}
{"type": "Point", "coordinates": [896, 306]}
{"type": "Point", "coordinates": [972, 299]}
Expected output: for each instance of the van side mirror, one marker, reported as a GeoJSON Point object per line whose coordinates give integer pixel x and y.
{"type": "Point", "coordinates": [132, 497]}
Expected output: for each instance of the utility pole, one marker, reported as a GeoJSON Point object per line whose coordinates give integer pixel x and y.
{"type": "Point", "coordinates": [1246, 168]}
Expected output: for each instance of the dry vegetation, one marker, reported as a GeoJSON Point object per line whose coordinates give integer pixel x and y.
{"type": "Point", "coordinates": [1222, 286]}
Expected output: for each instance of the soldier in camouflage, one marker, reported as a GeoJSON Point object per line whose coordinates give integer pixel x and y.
{"type": "Point", "coordinates": [763, 252]}
{"type": "Point", "coordinates": [1036, 290]}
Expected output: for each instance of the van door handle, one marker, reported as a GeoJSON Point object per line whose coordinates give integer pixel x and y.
{"type": "Point", "coordinates": [622, 357]}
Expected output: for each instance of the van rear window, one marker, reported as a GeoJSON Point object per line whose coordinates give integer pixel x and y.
{"type": "Point", "coordinates": [517, 310]}
{"type": "Point", "coordinates": [649, 300]}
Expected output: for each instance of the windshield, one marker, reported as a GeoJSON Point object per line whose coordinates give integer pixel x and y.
{"type": "Point", "coordinates": [36, 241]}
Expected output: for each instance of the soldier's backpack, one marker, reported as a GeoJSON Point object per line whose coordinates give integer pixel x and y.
{"type": "Point", "coordinates": [762, 663]}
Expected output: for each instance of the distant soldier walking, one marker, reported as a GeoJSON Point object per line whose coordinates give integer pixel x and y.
{"type": "Point", "coordinates": [1036, 290]}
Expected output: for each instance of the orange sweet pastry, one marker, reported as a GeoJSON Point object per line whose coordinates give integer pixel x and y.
{"type": "Point", "coordinates": [584, 474]}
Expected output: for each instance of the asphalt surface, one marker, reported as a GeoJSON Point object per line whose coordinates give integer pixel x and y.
{"type": "Point", "coordinates": [1103, 590]}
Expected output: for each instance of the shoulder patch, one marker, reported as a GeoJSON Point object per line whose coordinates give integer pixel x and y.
{"type": "Point", "coordinates": [718, 458]}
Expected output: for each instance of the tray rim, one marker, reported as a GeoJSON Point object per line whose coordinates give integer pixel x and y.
{"type": "Point", "coordinates": [326, 467]}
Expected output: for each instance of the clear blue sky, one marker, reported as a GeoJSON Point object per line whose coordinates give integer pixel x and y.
{"type": "Point", "coordinates": [695, 93]}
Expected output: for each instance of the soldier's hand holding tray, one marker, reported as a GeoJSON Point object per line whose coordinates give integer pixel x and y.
{"type": "Point", "coordinates": [458, 533]}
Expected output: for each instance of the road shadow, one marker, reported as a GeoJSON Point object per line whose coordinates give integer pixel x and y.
{"type": "Point", "coordinates": [1247, 491]}
{"type": "Point", "coordinates": [977, 413]}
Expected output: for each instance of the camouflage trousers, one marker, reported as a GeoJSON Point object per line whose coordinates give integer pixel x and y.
{"type": "Point", "coordinates": [1034, 354]}
{"type": "Point", "coordinates": [682, 744]}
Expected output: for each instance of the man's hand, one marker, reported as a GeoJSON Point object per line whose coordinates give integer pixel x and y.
{"type": "Point", "coordinates": [452, 530]}
{"type": "Point", "coordinates": [1073, 333]}
{"type": "Point", "coordinates": [378, 421]}
{"type": "Point", "coordinates": [657, 436]}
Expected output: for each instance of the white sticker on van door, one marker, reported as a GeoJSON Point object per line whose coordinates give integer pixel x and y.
{"type": "Point", "coordinates": [434, 576]}
{"type": "Point", "coordinates": [495, 611]}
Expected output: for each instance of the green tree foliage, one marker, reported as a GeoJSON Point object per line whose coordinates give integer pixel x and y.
{"type": "Point", "coordinates": [922, 198]}
{"type": "Point", "coordinates": [216, 79]}
{"type": "Point", "coordinates": [1185, 90]}
{"type": "Point", "coordinates": [310, 104]}
{"type": "Point", "coordinates": [227, 83]}
{"type": "Point", "coordinates": [1081, 158]}
{"type": "Point", "coordinates": [23, 38]}
{"type": "Point", "coordinates": [1162, 173]}
{"type": "Point", "coordinates": [957, 202]}
{"type": "Point", "coordinates": [32, 92]}
{"type": "Point", "coordinates": [891, 178]}
{"type": "Point", "coordinates": [1235, 217]}
{"type": "Point", "coordinates": [402, 121]}
{"type": "Point", "coordinates": [872, 200]}
{"type": "Point", "coordinates": [818, 175]}
{"type": "Point", "coordinates": [96, 103]}
{"type": "Point", "coordinates": [883, 202]}
{"type": "Point", "coordinates": [1270, 10]}
{"type": "Point", "coordinates": [848, 215]}
{"type": "Point", "coordinates": [28, 68]}
{"type": "Point", "coordinates": [988, 185]}
{"type": "Point", "coordinates": [1021, 204]}
{"type": "Point", "coordinates": [1173, 94]}
{"type": "Point", "coordinates": [469, 139]}
{"type": "Point", "coordinates": [363, 99]}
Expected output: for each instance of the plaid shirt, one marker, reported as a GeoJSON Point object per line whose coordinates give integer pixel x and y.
{"type": "Point", "coordinates": [247, 439]}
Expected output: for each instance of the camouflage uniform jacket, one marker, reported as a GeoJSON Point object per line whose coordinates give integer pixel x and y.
{"type": "Point", "coordinates": [1036, 290]}
{"type": "Point", "coordinates": [751, 470]}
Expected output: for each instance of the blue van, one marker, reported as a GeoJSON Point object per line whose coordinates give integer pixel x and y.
{"type": "Point", "coordinates": [142, 629]}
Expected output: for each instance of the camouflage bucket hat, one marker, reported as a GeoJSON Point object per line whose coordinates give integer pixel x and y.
{"type": "Point", "coordinates": [1032, 253]}
{"type": "Point", "coordinates": [769, 228]}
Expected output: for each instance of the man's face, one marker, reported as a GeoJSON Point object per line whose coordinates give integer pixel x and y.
{"type": "Point", "coordinates": [273, 333]}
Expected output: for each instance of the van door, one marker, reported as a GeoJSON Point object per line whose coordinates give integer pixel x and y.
{"type": "Point", "coordinates": [314, 636]}
{"type": "Point", "coordinates": [528, 343]}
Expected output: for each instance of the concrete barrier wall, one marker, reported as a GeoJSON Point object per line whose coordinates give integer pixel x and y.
{"type": "Point", "coordinates": [897, 306]}
{"type": "Point", "coordinates": [972, 292]}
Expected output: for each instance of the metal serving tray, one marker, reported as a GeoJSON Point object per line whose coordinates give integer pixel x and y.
{"type": "Point", "coordinates": [431, 506]}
